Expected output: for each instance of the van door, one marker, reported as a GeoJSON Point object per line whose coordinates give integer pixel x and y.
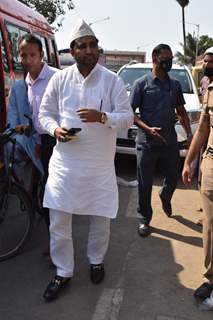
{"type": "Point", "coordinates": [5, 81]}
{"type": "Point", "coordinates": [2, 96]}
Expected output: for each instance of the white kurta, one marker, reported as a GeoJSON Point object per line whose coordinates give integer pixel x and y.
{"type": "Point", "coordinates": [82, 177]}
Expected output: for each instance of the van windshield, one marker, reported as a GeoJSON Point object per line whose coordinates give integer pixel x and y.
{"type": "Point", "coordinates": [129, 75]}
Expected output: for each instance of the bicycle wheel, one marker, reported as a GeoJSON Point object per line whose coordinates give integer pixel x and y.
{"type": "Point", "coordinates": [16, 220]}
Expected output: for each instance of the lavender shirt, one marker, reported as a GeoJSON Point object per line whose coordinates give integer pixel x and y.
{"type": "Point", "coordinates": [36, 89]}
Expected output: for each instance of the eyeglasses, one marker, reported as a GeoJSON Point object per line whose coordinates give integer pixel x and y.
{"type": "Point", "coordinates": [83, 46]}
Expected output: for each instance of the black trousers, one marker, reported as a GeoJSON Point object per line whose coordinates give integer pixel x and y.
{"type": "Point", "coordinates": [47, 144]}
{"type": "Point", "coordinates": [168, 160]}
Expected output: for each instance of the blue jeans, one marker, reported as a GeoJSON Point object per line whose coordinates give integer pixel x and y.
{"type": "Point", "coordinates": [168, 161]}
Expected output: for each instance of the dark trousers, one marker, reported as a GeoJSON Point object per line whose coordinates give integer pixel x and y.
{"type": "Point", "coordinates": [168, 160]}
{"type": "Point", "coordinates": [47, 144]}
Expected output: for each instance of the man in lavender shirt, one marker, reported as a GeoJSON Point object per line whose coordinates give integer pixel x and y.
{"type": "Point", "coordinates": [38, 76]}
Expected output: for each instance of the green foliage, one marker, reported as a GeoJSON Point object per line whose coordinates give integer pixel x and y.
{"type": "Point", "coordinates": [50, 9]}
{"type": "Point", "coordinates": [204, 42]}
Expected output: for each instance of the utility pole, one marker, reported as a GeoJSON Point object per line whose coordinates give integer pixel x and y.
{"type": "Point", "coordinates": [197, 43]}
{"type": "Point", "coordinates": [183, 4]}
{"type": "Point", "coordinates": [197, 38]}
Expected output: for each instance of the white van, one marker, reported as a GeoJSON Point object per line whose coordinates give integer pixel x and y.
{"type": "Point", "coordinates": [130, 72]}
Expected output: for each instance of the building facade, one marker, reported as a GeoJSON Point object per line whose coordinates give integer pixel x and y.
{"type": "Point", "coordinates": [115, 59]}
{"type": "Point", "coordinates": [111, 59]}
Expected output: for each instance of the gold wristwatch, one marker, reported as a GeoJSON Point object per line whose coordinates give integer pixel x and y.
{"type": "Point", "coordinates": [103, 117]}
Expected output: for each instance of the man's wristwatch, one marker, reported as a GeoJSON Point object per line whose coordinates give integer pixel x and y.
{"type": "Point", "coordinates": [103, 118]}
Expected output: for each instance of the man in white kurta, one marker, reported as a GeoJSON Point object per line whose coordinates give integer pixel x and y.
{"type": "Point", "coordinates": [82, 176]}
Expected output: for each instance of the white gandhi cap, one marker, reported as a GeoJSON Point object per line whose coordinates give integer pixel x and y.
{"type": "Point", "coordinates": [81, 29]}
{"type": "Point", "coordinates": [209, 51]}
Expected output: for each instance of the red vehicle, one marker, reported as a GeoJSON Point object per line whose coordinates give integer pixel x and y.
{"type": "Point", "coordinates": [16, 19]}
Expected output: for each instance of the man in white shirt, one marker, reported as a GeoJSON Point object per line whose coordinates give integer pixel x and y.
{"type": "Point", "coordinates": [82, 176]}
{"type": "Point", "coordinates": [37, 78]}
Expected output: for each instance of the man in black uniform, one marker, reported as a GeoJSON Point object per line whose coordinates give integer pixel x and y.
{"type": "Point", "coordinates": [157, 96]}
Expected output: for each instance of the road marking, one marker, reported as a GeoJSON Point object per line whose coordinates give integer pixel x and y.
{"type": "Point", "coordinates": [108, 305]}
{"type": "Point", "coordinates": [110, 301]}
{"type": "Point", "coordinates": [170, 318]}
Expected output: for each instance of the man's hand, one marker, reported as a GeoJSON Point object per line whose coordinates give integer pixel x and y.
{"type": "Point", "coordinates": [154, 131]}
{"type": "Point", "coordinates": [61, 134]}
{"type": "Point", "coordinates": [89, 115]}
{"type": "Point", "coordinates": [23, 129]}
{"type": "Point", "coordinates": [187, 174]}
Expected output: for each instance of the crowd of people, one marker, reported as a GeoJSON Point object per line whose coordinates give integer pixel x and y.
{"type": "Point", "coordinates": [75, 114]}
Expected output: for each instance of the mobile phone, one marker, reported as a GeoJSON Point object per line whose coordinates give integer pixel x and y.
{"type": "Point", "coordinates": [73, 131]}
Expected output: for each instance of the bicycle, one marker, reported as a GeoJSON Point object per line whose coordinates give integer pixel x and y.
{"type": "Point", "coordinates": [17, 208]}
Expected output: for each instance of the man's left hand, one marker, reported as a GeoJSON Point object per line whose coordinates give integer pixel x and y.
{"type": "Point", "coordinates": [89, 115]}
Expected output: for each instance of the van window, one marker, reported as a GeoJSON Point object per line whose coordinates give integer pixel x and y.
{"type": "Point", "coordinates": [44, 46]}
{"type": "Point", "coordinates": [14, 33]}
{"type": "Point", "coordinates": [183, 77]}
{"type": "Point", "coordinates": [130, 75]}
{"type": "Point", "coordinates": [53, 53]}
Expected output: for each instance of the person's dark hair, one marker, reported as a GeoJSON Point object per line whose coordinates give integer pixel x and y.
{"type": "Point", "coordinates": [72, 44]}
{"type": "Point", "coordinates": [157, 50]}
{"type": "Point", "coordinates": [31, 38]}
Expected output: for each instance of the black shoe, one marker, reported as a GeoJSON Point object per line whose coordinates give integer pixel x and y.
{"type": "Point", "coordinates": [97, 273]}
{"type": "Point", "coordinates": [204, 291]}
{"type": "Point", "coordinates": [54, 288]}
{"type": "Point", "coordinates": [144, 230]}
{"type": "Point", "coordinates": [166, 206]}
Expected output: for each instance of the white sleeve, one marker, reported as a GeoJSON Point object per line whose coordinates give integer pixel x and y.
{"type": "Point", "coordinates": [121, 116]}
{"type": "Point", "coordinates": [49, 108]}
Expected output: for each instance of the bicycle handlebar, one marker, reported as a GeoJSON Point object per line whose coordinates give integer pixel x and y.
{"type": "Point", "coordinates": [6, 136]}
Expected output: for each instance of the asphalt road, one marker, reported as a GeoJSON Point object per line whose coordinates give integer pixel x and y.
{"type": "Point", "coordinates": [146, 279]}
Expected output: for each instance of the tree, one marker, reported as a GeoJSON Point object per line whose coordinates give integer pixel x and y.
{"type": "Point", "coordinates": [204, 42]}
{"type": "Point", "coordinates": [50, 9]}
{"type": "Point", "coordinates": [183, 4]}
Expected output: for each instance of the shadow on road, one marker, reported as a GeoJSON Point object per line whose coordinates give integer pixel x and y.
{"type": "Point", "coordinates": [188, 223]}
{"type": "Point", "coordinates": [153, 288]}
{"type": "Point", "coordinates": [195, 241]}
